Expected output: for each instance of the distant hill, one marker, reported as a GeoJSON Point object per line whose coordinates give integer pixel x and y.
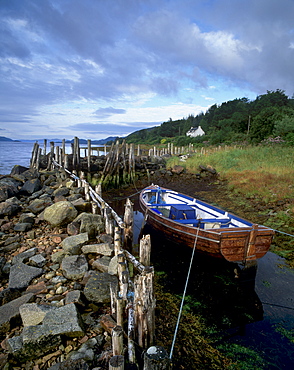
{"type": "Point", "coordinates": [3, 138]}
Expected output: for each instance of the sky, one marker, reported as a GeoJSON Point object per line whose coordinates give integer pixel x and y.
{"type": "Point", "coordinates": [100, 68]}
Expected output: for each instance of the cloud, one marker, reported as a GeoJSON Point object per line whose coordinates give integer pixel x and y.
{"type": "Point", "coordinates": [111, 130]}
{"type": "Point", "coordinates": [131, 56]}
{"type": "Point", "coordinates": [108, 112]}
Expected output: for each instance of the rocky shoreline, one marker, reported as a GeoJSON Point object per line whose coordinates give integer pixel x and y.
{"type": "Point", "coordinates": [56, 264]}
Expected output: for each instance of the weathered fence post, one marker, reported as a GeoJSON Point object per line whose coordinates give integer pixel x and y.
{"type": "Point", "coordinates": [89, 155]}
{"type": "Point", "coordinates": [116, 363]}
{"type": "Point", "coordinates": [144, 304]}
{"type": "Point", "coordinates": [117, 340]}
{"type": "Point", "coordinates": [145, 250]}
{"type": "Point", "coordinates": [129, 221]}
{"type": "Point", "coordinates": [156, 358]}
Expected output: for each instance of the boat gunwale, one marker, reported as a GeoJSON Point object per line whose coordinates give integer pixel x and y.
{"type": "Point", "coordinates": [221, 231]}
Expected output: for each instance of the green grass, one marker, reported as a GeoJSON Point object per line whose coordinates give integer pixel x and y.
{"type": "Point", "coordinates": [262, 171]}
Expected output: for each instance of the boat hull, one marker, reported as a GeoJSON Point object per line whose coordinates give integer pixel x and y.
{"type": "Point", "coordinates": [239, 244]}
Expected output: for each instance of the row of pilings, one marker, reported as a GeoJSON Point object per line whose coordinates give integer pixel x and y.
{"type": "Point", "coordinates": [112, 165]}
{"type": "Point", "coordinates": [131, 322]}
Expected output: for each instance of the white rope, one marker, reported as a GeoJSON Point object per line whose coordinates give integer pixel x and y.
{"type": "Point", "coordinates": [183, 298]}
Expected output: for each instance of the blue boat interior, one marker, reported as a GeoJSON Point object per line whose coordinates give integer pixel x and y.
{"type": "Point", "coordinates": [189, 211]}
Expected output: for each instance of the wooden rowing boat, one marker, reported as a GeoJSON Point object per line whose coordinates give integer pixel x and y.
{"type": "Point", "coordinates": [213, 231]}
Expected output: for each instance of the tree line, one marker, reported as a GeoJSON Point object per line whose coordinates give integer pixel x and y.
{"type": "Point", "coordinates": [269, 116]}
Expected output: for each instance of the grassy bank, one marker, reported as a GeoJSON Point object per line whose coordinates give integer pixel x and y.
{"type": "Point", "coordinates": [260, 177]}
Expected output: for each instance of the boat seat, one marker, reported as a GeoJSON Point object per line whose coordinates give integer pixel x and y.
{"type": "Point", "coordinates": [203, 221]}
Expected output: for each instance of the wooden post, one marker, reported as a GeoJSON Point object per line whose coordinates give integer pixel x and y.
{"type": "Point", "coordinates": [89, 155]}
{"type": "Point", "coordinates": [98, 189]}
{"type": "Point", "coordinates": [63, 153]}
{"type": "Point", "coordinates": [57, 150]}
{"type": "Point", "coordinates": [66, 161]}
{"type": "Point", "coordinates": [51, 155]}
{"type": "Point", "coordinates": [144, 303]}
{"type": "Point", "coordinates": [45, 146]}
{"type": "Point", "coordinates": [117, 363]}
{"type": "Point", "coordinates": [156, 358]}
{"type": "Point", "coordinates": [117, 241]}
{"type": "Point", "coordinates": [120, 304]}
{"type": "Point", "coordinates": [123, 276]}
{"type": "Point", "coordinates": [87, 192]}
{"type": "Point", "coordinates": [131, 331]}
{"type": "Point", "coordinates": [145, 250]}
{"type": "Point", "coordinates": [129, 221]}
{"type": "Point", "coordinates": [108, 221]}
{"type": "Point", "coordinates": [117, 340]}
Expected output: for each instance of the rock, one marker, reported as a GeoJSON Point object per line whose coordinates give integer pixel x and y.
{"type": "Point", "coordinates": [17, 169]}
{"type": "Point", "coordinates": [81, 205]}
{"type": "Point", "coordinates": [73, 244]}
{"type": "Point", "coordinates": [24, 256]}
{"type": "Point", "coordinates": [27, 218]}
{"type": "Point", "coordinates": [8, 188]}
{"type": "Point", "coordinates": [22, 226]}
{"type": "Point", "coordinates": [33, 313]}
{"type": "Point", "coordinates": [31, 186]}
{"type": "Point", "coordinates": [112, 267]}
{"type": "Point", "coordinates": [74, 296]}
{"type": "Point", "coordinates": [58, 256]}
{"type": "Point", "coordinates": [178, 169]}
{"type": "Point", "coordinates": [34, 342]}
{"type": "Point", "coordinates": [65, 320]}
{"type": "Point", "coordinates": [60, 213]}
{"type": "Point", "coordinates": [8, 209]}
{"type": "Point", "coordinates": [21, 275]}
{"type": "Point", "coordinates": [38, 205]}
{"type": "Point", "coordinates": [85, 352]}
{"type": "Point", "coordinates": [8, 295]}
{"type": "Point", "coordinates": [74, 267]}
{"type": "Point", "coordinates": [105, 249]}
{"type": "Point", "coordinates": [101, 264]}
{"type": "Point", "coordinates": [10, 311]}
{"type": "Point", "coordinates": [97, 288]}
{"type": "Point", "coordinates": [73, 228]}
{"type": "Point", "coordinates": [37, 261]}
{"type": "Point", "coordinates": [92, 224]}
{"type": "Point", "coordinates": [61, 192]}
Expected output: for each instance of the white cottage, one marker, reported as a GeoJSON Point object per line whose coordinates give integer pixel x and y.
{"type": "Point", "coordinates": [195, 131]}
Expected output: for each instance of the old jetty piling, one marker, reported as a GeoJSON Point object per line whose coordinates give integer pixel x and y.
{"type": "Point", "coordinates": [110, 165]}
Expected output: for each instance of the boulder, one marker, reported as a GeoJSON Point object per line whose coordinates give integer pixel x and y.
{"type": "Point", "coordinates": [8, 208]}
{"type": "Point", "coordinates": [106, 249]}
{"type": "Point", "coordinates": [8, 188]}
{"type": "Point", "coordinates": [10, 311]}
{"type": "Point", "coordinates": [31, 186]}
{"type": "Point", "coordinates": [73, 244]}
{"type": "Point", "coordinates": [97, 288]}
{"type": "Point", "coordinates": [38, 205]}
{"type": "Point", "coordinates": [21, 275]}
{"type": "Point", "coordinates": [60, 213]}
{"type": "Point", "coordinates": [74, 267]}
{"type": "Point", "coordinates": [101, 264]}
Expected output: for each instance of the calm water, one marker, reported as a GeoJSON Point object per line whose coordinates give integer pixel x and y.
{"type": "Point", "coordinates": [12, 153]}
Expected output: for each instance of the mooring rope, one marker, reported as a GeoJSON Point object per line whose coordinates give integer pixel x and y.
{"type": "Point", "coordinates": [183, 298]}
